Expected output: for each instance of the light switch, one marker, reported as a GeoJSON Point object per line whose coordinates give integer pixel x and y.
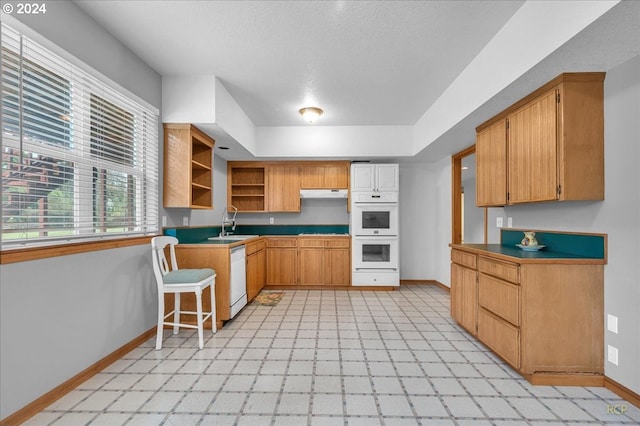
{"type": "Point", "coordinates": [509, 222]}
{"type": "Point", "coordinates": [185, 220]}
{"type": "Point", "coordinates": [612, 323]}
{"type": "Point", "coordinates": [499, 221]}
{"type": "Point", "coordinates": [612, 354]}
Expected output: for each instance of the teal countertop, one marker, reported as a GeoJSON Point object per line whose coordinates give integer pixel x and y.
{"type": "Point", "coordinates": [521, 254]}
{"type": "Point", "coordinates": [199, 235]}
{"type": "Point", "coordinates": [572, 247]}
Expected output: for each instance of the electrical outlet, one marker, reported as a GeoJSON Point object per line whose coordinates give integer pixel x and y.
{"type": "Point", "coordinates": [509, 222]}
{"type": "Point", "coordinates": [164, 221]}
{"type": "Point", "coordinates": [499, 222]}
{"type": "Point", "coordinates": [612, 323]}
{"type": "Point", "coordinates": [612, 355]}
{"type": "Point", "coordinates": [185, 220]}
{"type": "Point", "coordinates": [272, 221]}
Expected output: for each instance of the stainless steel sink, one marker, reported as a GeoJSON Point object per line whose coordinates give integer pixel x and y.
{"type": "Point", "coordinates": [233, 237]}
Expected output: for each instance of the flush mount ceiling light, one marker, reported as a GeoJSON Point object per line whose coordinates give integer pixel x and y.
{"type": "Point", "coordinates": [310, 114]}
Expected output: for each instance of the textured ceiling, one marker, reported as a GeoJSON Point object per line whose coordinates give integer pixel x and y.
{"type": "Point", "coordinates": [363, 62]}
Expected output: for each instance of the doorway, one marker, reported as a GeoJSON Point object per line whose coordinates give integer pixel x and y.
{"type": "Point", "coordinates": [469, 223]}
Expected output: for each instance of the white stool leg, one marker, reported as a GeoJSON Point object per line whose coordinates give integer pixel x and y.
{"type": "Point", "coordinates": [160, 321]}
{"type": "Point", "coordinates": [212, 288]}
{"type": "Point", "coordinates": [199, 315]}
{"type": "Point", "coordinates": [176, 313]}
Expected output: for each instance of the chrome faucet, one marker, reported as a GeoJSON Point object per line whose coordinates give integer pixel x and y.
{"type": "Point", "coordinates": [226, 221]}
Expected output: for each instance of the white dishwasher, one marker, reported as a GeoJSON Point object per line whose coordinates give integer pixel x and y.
{"type": "Point", "coordinates": [237, 281]}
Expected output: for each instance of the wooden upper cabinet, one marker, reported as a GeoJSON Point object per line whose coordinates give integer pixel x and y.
{"type": "Point", "coordinates": [555, 144]}
{"type": "Point", "coordinates": [491, 165]}
{"type": "Point", "coordinates": [246, 187]}
{"type": "Point", "coordinates": [274, 186]}
{"type": "Point", "coordinates": [188, 167]}
{"type": "Point", "coordinates": [533, 156]}
{"type": "Point", "coordinates": [324, 175]}
{"type": "Point", "coordinates": [283, 186]}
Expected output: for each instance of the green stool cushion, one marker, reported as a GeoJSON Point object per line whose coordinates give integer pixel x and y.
{"type": "Point", "coordinates": [184, 276]}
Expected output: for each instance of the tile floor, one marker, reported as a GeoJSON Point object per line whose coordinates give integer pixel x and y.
{"type": "Point", "coordinates": [329, 358]}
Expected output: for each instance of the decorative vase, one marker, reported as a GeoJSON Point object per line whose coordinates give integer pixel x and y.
{"type": "Point", "coordinates": [529, 239]}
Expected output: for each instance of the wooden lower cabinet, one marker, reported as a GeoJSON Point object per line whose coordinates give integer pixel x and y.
{"type": "Point", "coordinates": [311, 266]}
{"type": "Point", "coordinates": [338, 266]}
{"type": "Point", "coordinates": [464, 297]}
{"type": "Point", "coordinates": [464, 289]}
{"type": "Point", "coordinates": [324, 261]}
{"type": "Point", "coordinates": [256, 268]}
{"type": "Point", "coordinates": [545, 318]}
{"type": "Point", "coordinates": [282, 260]}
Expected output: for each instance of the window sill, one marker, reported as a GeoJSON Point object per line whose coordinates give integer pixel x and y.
{"type": "Point", "coordinates": [35, 253]}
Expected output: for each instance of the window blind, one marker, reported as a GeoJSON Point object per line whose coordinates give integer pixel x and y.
{"type": "Point", "coordinates": [79, 157]}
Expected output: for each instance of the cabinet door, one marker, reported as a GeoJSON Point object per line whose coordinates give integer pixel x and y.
{"type": "Point", "coordinates": [281, 266]}
{"type": "Point", "coordinates": [387, 178]}
{"type": "Point", "coordinates": [362, 177]}
{"type": "Point", "coordinates": [338, 266]}
{"type": "Point", "coordinates": [464, 297]}
{"type": "Point", "coordinates": [255, 273]}
{"type": "Point", "coordinates": [283, 182]}
{"type": "Point", "coordinates": [491, 165]}
{"type": "Point", "coordinates": [532, 151]}
{"type": "Point", "coordinates": [334, 175]}
{"type": "Point", "coordinates": [312, 266]}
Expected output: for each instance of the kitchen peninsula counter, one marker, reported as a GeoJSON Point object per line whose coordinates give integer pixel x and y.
{"type": "Point", "coordinates": [515, 254]}
{"type": "Point", "coordinates": [540, 311]}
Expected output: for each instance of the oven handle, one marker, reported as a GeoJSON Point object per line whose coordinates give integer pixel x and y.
{"type": "Point", "coordinates": [376, 269]}
{"type": "Point", "coordinates": [374, 202]}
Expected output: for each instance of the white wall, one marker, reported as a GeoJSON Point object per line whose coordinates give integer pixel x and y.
{"type": "Point", "coordinates": [189, 99]}
{"type": "Point", "coordinates": [60, 315]}
{"type": "Point", "coordinates": [425, 220]}
{"type": "Point", "coordinates": [417, 221]}
{"type": "Point", "coordinates": [334, 141]}
{"type": "Point", "coordinates": [312, 212]}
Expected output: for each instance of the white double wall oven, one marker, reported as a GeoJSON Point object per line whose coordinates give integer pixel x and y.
{"type": "Point", "coordinates": [375, 225]}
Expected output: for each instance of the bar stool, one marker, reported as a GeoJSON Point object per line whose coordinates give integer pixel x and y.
{"type": "Point", "coordinates": [179, 281]}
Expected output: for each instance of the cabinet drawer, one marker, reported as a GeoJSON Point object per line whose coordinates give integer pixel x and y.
{"type": "Point", "coordinates": [282, 242]}
{"type": "Point", "coordinates": [337, 243]}
{"type": "Point", "coordinates": [464, 258]}
{"type": "Point", "coordinates": [324, 242]}
{"type": "Point", "coordinates": [504, 270]}
{"type": "Point", "coordinates": [255, 246]}
{"type": "Point", "coordinates": [499, 297]}
{"type": "Point", "coordinates": [500, 336]}
{"type": "Point", "coordinates": [310, 242]}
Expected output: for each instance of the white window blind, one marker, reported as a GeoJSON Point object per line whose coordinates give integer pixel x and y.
{"type": "Point", "coordinates": [79, 158]}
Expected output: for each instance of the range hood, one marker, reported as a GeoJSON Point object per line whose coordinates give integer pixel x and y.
{"type": "Point", "coordinates": [323, 193]}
